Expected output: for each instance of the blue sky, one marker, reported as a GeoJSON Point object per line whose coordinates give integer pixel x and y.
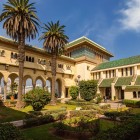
{"type": "Point", "coordinates": [114, 24]}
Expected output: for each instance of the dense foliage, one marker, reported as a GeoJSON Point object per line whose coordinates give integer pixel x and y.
{"type": "Point", "coordinates": [74, 92]}
{"type": "Point", "coordinates": [10, 132]}
{"type": "Point", "coordinates": [131, 103]}
{"type": "Point", "coordinates": [127, 131]}
{"type": "Point", "coordinates": [37, 98]}
{"type": "Point", "coordinates": [88, 89]}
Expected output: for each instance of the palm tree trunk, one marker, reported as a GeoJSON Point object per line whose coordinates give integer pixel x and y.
{"type": "Point", "coordinates": [21, 58]}
{"type": "Point", "coordinates": [53, 67]}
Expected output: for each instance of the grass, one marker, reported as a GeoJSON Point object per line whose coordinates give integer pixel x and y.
{"type": "Point", "coordinates": [8, 114]}
{"type": "Point", "coordinates": [106, 124]}
{"type": "Point", "coordinates": [135, 110]}
{"type": "Point", "coordinates": [40, 133]}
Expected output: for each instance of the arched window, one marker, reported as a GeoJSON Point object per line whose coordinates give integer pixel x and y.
{"type": "Point", "coordinates": [30, 59]}
{"type": "Point", "coordinates": [12, 56]}
{"type": "Point", "coordinates": [15, 55]}
{"type": "Point", "coordinates": [134, 94]}
{"type": "Point", "coordinates": [139, 94]}
{"type": "Point", "coordinates": [27, 58]}
{"type": "Point", "coordinates": [33, 59]}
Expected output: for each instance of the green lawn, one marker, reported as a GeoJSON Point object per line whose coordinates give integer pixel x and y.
{"type": "Point", "coordinates": [11, 114]}
{"type": "Point", "coordinates": [136, 110]}
{"type": "Point", "coordinates": [106, 124]}
{"type": "Point", "coordinates": [40, 133]}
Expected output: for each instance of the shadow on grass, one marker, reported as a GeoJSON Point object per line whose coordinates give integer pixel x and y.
{"type": "Point", "coordinates": [8, 114]}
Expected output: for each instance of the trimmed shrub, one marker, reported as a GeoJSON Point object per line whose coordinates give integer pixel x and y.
{"type": "Point", "coordinates": [72, 102]}
{"type": "Point", "coordinates": [83, 113]}
{"type": "Point", "coordinates": [88, 89]}
{"type": "Point", "coordinates": [74, 90]}
{"type": "Point", "coordinates": [131, 103]}
{"type": "Point", "coordinates": [38, 121]}
{"type": "Point", "coordinates": [37, 98]}
{"type": "Point", "coordinates": [10, 132]}
{"type": "Point", "coordinates": [127, 131]}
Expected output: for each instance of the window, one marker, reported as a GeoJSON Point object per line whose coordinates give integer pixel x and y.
{"type": "Point", "coordinates": [60, 65]}
{"type": "Point", "coordinates": [122, 71]}
{"type": "Point", "coordinates": [106, 74]}
{"type": "Point", "coordinates": [113, 73]}
{"type": "Point", "coordinates": [33, 59]}
{"type": "Point", "coordinates": [139, 94]}
{"type": "Point", "coordinates": [109, 74]}
{"type": "Point", "coordinates": [99, 75]}
{"type": "Point", "coordinates": [68, 67]}
{"type": "Point", "coordinates": [50, 63]}
{"type": "Point", "coordinates": [88, 67]}
{"type": "Point", "coordinates": [126, 71]}
{"type": "Point", "coordinates": [131, 71]}
{"type": "Point", "coordinates": [96, 76]}
{"type": "Point", "coordinates": [134, 94]}
{"type": "Point", "coordinates": [12, 55]}
{"type": "Point", "coordinates": [27, 58]}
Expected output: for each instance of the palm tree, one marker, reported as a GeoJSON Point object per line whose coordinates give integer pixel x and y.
{"type": "Point", "coordinates": [54, 40]}
{"type": "Point", "coordinates": [20, 23]}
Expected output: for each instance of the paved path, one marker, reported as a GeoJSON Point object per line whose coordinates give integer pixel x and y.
{"type": "Point", "coordinates": [18, 123]}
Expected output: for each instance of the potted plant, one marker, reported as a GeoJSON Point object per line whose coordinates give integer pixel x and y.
{"type": "Point", "coordinates": [13, 90]}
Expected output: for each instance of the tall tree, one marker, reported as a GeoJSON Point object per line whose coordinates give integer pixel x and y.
{"type": "Point", "coordinates": [54, 39]}
{"type": "Point", "coordinates": [20, 23]}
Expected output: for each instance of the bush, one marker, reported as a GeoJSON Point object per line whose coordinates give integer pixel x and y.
{"type": "Point", "coordinates": [10, 132]}
{"type": "Point", "coordinates": [72, 102]}
{"type": "Point", "coordinates": [98, 98]}
{"type": "Point", "coordinates": [88, 89]}
{"type": "Point", "coordinates": [83, 113]}
{"type": "Point", "coordinates": [38, 120]}
{"type": "Point", "coordinates": [131, 103]}
{"type": "Point", "coordinates": [37, 98]}
{"type": "Point", "coordinates": [127, 131]}
{"type": "Point", "coordinates": [74, 92]}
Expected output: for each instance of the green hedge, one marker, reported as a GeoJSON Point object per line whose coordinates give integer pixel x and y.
{"type": "Point", "coordinates": [83, 113]}
{"type": "Point", "coordinates": [131, 103]}
{"type": "Point", "coordinates": [44, 119]}
{"type": "Point", "coordinates": [128, 131]}
{"type": "Point", "coordinates": [10, 132]}
{"type": "Point", "coordinates": [81, 103]}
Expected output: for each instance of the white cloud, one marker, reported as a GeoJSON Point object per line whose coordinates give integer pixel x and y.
{"type": "Point", "coordinates": [131, 15]}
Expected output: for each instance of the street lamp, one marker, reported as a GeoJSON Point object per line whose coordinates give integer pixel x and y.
{"type": "Point", "coordinates": [78, 80]}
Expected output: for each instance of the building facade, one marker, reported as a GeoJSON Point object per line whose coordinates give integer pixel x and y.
{"type": "Point", "coordinates": [83, 59]}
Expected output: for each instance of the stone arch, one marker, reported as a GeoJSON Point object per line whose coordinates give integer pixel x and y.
{"type": "Point", "coordinates": [1, 83]}
{"type": "Point", "coordinates": [28, 83]}
{"type": "Point", "coordinates": [49, 84]}
{"type": "Point", "coordinates": [58, 87]}
{"type": "Point", "coordinates": [40, 79]}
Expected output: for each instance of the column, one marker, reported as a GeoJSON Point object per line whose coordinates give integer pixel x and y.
{"type": "Point", "coordinates": [135, 70]}
{"type": "Point", "coordinates": [112, 91]}
{"type": "Point", "coordinates": [117, 73]}
{"type": "Point", "coordinates": [5, 90]}
{"type": "Point", "coordinates": [102, 75]}
{"type": "Point", "coordinates": [34, 85]}
{"type": "Point", "coordinates": [128, 69]}
{"type": "Point", "coordinates": [24, 89]}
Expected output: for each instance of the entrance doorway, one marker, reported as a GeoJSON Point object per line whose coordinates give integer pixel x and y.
{"type": "Point", "coordinates": [122, 94]}
{"type": "Point", "coordinates": [108, 93]}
